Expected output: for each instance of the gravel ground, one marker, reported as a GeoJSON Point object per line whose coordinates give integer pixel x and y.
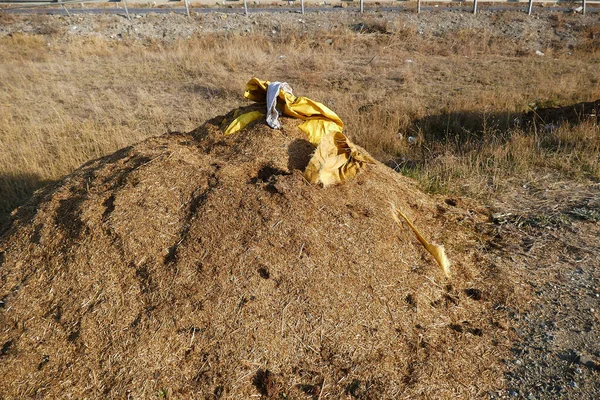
{"type": "Point", "coordinates": [548, 235]}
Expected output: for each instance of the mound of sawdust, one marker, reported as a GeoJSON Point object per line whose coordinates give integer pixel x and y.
{"type": "Point", "coordinates": [199, 266]}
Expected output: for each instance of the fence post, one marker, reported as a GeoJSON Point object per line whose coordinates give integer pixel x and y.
{"type": "Point", "coordinates": [418, 6]}
{"type": "Point", "coordinates": [302, 5]}
{"type": "Point", "coordinates": [64, 7]}
{"type": "Point", "coordinates": [126, 10]}
{"type": "Point", "coordinates": [530, 7]}
{"type": "Point", "coordinates": [246, 7]}
{"type": "Point", "coordinates": [583, 9]}
{"type": "Point", "coordinates": [361, 6]}
{"type": "Point", "coordinates": [474, 6]}
{"type": "Point", "coordinates": [187, 8]}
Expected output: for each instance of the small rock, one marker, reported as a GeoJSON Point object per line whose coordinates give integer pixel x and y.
{"type": "Point", "coordinates": [589, 361]}
{"type": "Point", "coordinates": [539, 53]}
{"type": "Point", "coordinates": [573, 384]}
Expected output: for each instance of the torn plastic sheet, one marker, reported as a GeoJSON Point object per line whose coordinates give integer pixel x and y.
{"type": "Point", "coordinates": [335, 160]}
{"type": "Point", "coordinates": [241, 121]}
{"type": "Point", "coordinates": [437, 251]}
{"type": "Point", "coordinates": [319, 119]}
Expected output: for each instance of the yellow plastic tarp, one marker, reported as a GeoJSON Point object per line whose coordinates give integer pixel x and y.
{"type": "Point", "coordinates": [335, 160]}
{"type": "Point", "coordinates": [241, 121]}
{"type": "Point", "coordinates": [320, 120]}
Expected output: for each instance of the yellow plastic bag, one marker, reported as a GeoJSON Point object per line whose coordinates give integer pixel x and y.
{"type": "Point", "coordinates": [335, 160]}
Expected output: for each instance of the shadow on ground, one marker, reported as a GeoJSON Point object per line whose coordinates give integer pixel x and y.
{"type": "Point", "coordinates": [464, 127]}
{"type": "Point", "coordinates": [16, 190]}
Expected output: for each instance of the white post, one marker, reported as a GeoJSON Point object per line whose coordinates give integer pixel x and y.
{"type": "Point", "coordinates": [361, 6]}
{"type": "Point", "coordinates": [302, 5]}
{"type": "Point", "coordinates": [530, 7]}
{"type": "Point", "coordinates": [583, 5]}
{"type": "Point", "coordinates": [64, 7]}
{"type": "Point", "coordinates": [246, 7]}
{"type": "Point", "coordinates": [418, 6]}
{"type": "Point", "coordinates": [474, 6]}
{"type": "Point", "coordinates": [187, 8]}
{"type": "Point", "coordinates": [126, 10]}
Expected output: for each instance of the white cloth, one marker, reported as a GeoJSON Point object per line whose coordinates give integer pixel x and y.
{"type": "Point", "coordinates": [272, 111]}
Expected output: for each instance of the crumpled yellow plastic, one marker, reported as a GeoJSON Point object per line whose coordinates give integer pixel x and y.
{"type": "Point", "coordinates": [437, 251]}
{"type": "Point", "coordinates": [320, 120]}
{"type": "Point", "coordinates": [242, 120]}
{"type": "Point", "coordinates": [335, 160]}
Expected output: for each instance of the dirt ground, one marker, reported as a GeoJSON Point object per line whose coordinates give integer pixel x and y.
{"type": "Point", "coordinates": [543, 234]}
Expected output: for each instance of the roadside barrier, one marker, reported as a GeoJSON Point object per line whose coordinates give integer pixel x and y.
{"type": "Point", "coordinates": [63, 3]}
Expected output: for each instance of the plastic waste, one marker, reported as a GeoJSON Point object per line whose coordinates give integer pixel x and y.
{"type": "Point", "coordinates": [320, 120]}
{"type": "Point", "coordinates": [437, 251]}
{"type": "Point", "coordinates": [335, 160]}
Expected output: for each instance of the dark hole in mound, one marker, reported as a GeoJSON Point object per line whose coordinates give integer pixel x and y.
{"type": "Point", "coordinates": [44, 361]}
{"type": "Point", "coordinates": [450, 202]}
{"type": "Point", "coordinates": [456, 327]}
{"type": "Point", "coordinates": [267, 174]}
{"type": "Point", "coordinates": [109, 203]}
{"type": "Point", "coordinates": [6, 348]}
{"type": "Point", "coordinates": [410, 299]}
{"type": "Point", "coordinates": [474, 294]}
{"type": "Point", "coordinates": [300, 152]}
{"type": "Point", "coordinates": [2, 257]}
{"type": "Point", "coordinates": [353, 389]}
{"type": "Point", "coordinates": [475, 331]}
{"type": "Point", "coordinates": [265, 384]}
{"type": "Point", "coordinates": [264, 273]}
{"type": "Point", "coordinates": [311, 390]}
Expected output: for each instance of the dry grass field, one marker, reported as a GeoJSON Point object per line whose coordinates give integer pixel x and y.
{"type": "Point", "coordinates": [66, 99]}
{"type": "Point", "coordinates": [445, 98]}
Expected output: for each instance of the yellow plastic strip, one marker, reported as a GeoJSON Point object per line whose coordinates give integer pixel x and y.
{"type": "Point", "coordinates": [242, 121]}
{"type": "Point", "coordinates": [437, 251]}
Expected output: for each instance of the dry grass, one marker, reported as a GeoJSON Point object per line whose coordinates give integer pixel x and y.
{"type": "Point", "coordinates": [65, 100]}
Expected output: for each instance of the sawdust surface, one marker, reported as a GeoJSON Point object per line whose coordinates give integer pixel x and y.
{"type": "Point", "coordinates": [201, 266]}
